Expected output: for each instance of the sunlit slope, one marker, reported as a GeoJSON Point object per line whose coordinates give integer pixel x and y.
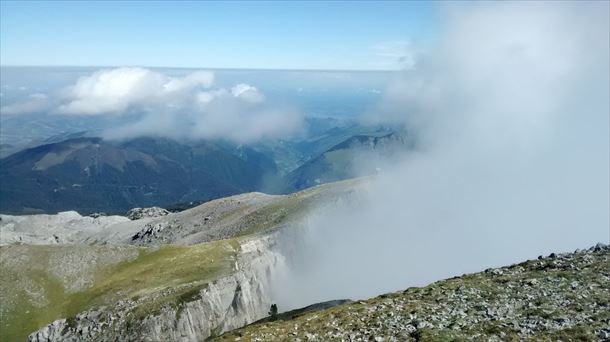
{"type": "Point", "coordinates": [42, 283]}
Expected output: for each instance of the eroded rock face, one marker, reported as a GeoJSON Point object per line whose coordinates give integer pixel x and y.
{"type": "Point", "coordinates": [225, 304]}
{"type": "Point", "coordinates": [149, 232]}
{"type": "Point", "coordinates": [138, 213]}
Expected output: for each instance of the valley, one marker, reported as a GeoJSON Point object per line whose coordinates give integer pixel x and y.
{"type": "Point", "coordinates": [92, 175]}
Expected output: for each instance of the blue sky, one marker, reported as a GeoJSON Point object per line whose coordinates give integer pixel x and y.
{"type": "Point", "coordinates": [267, 35]}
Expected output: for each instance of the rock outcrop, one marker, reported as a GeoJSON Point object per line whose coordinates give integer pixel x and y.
{"type": "Point", "coordinates": [228, 303]}
{"type": "Point", "coordinates": [138, 213]}
{"type": "Point", "coordinates": [63, 227]}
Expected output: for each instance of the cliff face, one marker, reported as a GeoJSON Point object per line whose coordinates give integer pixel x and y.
{"type": "Point", "coordinates": [230, 302]}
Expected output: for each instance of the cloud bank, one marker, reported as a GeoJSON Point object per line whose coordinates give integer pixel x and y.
{"type": "Point", "coordinates": [35, 102]}
{"type": "Point", "coordinates": [511, 118]}
{"type": "Point", "coordinates": [117, 90]}
{"type": "Point", "coordinates": [153, 103]}
{"type": "Point", "coordinates": [188, 107]}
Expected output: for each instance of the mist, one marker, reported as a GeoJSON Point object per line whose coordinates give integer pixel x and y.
{"type": "Point", "coordinates": [510, 118]}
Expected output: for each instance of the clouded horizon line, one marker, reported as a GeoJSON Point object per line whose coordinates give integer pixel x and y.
{"type": "Point", "coordinates": [200, 68]}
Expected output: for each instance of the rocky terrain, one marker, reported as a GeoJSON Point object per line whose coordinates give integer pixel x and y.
{"type": "Point", "coordinates": [65, 227]}
{"type": "Point", "coordinates": [138, 213]}
{"type": "Point", "coordinates": [562, 296]}
{"type": "Point", "coordinates": [181, 276]}
{"type": "Point", "coordinates": [218, 219]}
{"type": "Point", "coordinates": [206, 271]}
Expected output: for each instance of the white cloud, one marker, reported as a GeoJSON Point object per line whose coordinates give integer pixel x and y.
{"type": "Point", "coordinates": [153, 103]}
{"type": "Point", "coordinates": [206, 97]}
{"type": "Point", "coordinates": [230, 117]}
{"type": "Point", "coordinates": [234, 115]}
{"type": "Point", "coordinates": [241, 91]}
{"type": "Point", "coordinates": [199, 78]}
{"type": "Point", "coordinates": [118, 90]}
{"type": "Point", "coordinates": [247, 92]}
{"type": "Point", "coordinates": [179, 107]}
{"type": "Point", "coordinates": [511, 120]}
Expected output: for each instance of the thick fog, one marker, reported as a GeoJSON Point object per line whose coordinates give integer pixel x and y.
{"type": "Point", "coordinates": [510, 114]}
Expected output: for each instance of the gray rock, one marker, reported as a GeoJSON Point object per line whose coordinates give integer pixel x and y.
{"type": "Point", "coordinates": [599, 247]}
{"type": "Point", "coordinates": [139, 213]}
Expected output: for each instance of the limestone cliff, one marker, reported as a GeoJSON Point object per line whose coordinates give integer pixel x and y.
{"type": "Point", "coordinates": [230, 302]}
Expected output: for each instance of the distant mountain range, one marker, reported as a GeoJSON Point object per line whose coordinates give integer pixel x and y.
{"type": "Point", "coordinates": [90, 174]}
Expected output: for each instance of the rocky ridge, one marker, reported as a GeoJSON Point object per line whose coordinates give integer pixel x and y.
{"type": "Point", "coordinates": [194, 274]}
{"type": "Point", "coordinates": [62, 228]}
{"type": "Point", "coordinates": [218, 219]}
{"type": "Point", "coordinates": [562, 296]}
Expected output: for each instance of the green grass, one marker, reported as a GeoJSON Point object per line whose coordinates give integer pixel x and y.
{"type": "Point", "coordinates": [179, 271]}
{"type": "Point", "coordinates": [26, 317]}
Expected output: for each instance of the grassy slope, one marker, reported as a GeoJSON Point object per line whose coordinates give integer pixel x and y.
{"type": "Point", "coordinates": [564, 298]}
{"type": "Point", "coordinates": [146, 273]}
{"type": "Point", "coordinates": [293, 207]}
{"type": "Point", "coordinates": [184, 268]}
